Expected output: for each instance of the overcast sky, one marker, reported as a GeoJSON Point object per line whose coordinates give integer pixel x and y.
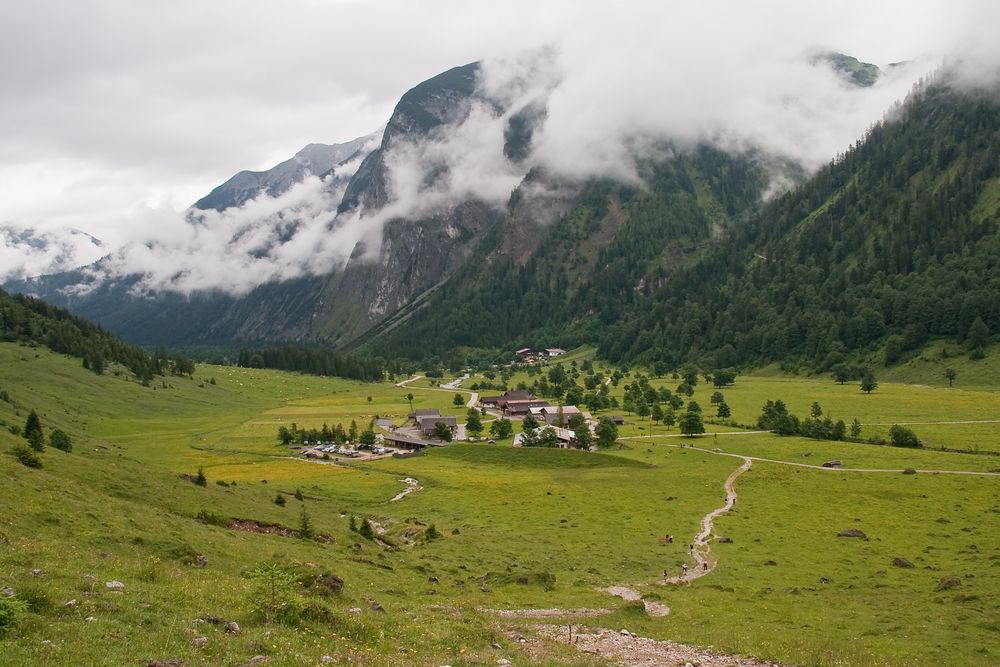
{"type": "Point", "coordinates": [114, 107]}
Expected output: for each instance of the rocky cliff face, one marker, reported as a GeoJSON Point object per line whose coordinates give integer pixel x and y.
{"type": "Point", "coordinates": [386, 270]}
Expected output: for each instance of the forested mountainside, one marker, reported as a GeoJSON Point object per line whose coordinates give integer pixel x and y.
{"type": "Point", "coordinates": [27, 320]}
{"type": "Point", "coordinates": [592, 265]}
{"type": "Point", "coordinates": [892, 244]}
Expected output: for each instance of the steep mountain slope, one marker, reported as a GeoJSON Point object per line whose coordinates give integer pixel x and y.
{"type": "Point", "coordinates": [415, 225]}
{"type": "Point", "coordinates": [591, 265]}
{"type": "Point", "coordinates": [895, 242]}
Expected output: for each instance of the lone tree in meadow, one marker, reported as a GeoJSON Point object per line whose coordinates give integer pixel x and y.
{"type": "Point", "coordinates": [868, 382]}
{"type": "Point", "coordinates": [691, 424]}
{"type": "Point", "coordinates": [33, 432]}
{"type": "Point", "coordinates": [458, 400]}
{"type": "Point", "coordinates": [409, 399]}
{"type": "Point", "coordinates": [501, 428]}
{"type": "Point", "coordinates": [951, 374]}
{"type": "Point", "coordinates": [855, 428]}
{"type": "Point", "coordinates": [200, 478]}
{"type": "Point", "coordinates": [723, 411]}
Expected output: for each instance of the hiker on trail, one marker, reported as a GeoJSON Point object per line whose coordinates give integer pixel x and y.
{"type": "Point", "coordinates": [664, 574]}
{"type": "Point", "coordinates": [690, 547]}
{"type": "Point", "coordinates": [704, 567]}
{"type": "Point", "coordinates": [670, 539]}
{"type": "Point", "coordinates": [685, 568]}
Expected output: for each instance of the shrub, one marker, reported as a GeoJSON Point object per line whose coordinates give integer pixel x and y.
{"type": "Point", "coordinates": [59, 440]}
{"type": "Point", "coordinates": [273, 595]}
{"type": "Point", "coordinates": [366, 531]}
{"type": "Point", "coordinates": [279, 500]}
{"type": "Point", "coordinates": [432, 533]}
{"type": "Point", "coordinates": [903, 437]}
{"type": "Point", "coordinates": [11, 610]}
{"type": "Point", "coordinates": [27, 456]}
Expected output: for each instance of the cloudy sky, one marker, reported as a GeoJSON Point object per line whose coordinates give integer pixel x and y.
{"type": "Point", "coordinates": [117, 113]}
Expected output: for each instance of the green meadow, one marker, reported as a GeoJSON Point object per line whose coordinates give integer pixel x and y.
{"type": "Point", "coordinates": [491, 528]}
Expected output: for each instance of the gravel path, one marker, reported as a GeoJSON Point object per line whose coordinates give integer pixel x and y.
{"type": "Point", "coordinates": [411, 486]}
{"type": "Point", "coordinates": [623, 648]}
{"type": "Point", "coordinates": [700, 550]}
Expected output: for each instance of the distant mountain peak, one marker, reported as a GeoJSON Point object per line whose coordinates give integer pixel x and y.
{"type": "Point", "coordinates": [855, 71]}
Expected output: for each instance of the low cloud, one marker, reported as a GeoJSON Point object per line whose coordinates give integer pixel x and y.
{"type": "Point", "coordinates": [604, 88]}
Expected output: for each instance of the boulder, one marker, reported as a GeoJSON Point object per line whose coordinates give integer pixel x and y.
{"type": "Point", "coordinates": [909, 471]}
{"type": "Point", "coordinates": [256, 660]}
{"type": "Point", "coordinates": [901, 562]}
{"type": "Point", "coordinates": [71, 604]}
{"type": "Point", "coordinates": [8, 592]}
{"type": "Point", "coordinates": [725, 540]}
{"type": "Point", "coordinates": [853, 532]}
{"type": "Point", "coordinates": [375, 606]}
{"type": "Point", "coordinates": [200, 561]}
{"type": "Point", "coordinates": [115, 586]}
{"type": "Point", "coordinates": [199, 642]}
{"type": "Point", "coordinates": [36, 572]}
{"type": "Point", "coordinates": [166, 662]}
{"type": "Point", "coordinates": [836, 463]}
{"type": "Point", "coordinates": [232, 627]}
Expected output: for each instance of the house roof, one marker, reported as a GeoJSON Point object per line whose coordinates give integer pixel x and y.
{"type": "Point", "coordinates": [426, 412]}
{"type": "Point", "coordinates": [407, 441]}
{"type": "Point", "coordinates": [430, 421]}
{"type": "Point", "coordinates": [524, 350]}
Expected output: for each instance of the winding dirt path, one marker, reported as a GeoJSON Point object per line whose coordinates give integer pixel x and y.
{"type": "Point", "coordinates": [409, 380]}
{"type": "Point", "coordinates": [700, 550]}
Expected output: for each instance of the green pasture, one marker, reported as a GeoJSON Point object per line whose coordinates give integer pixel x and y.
{"type": "Point", "coordinates": [516, 528]}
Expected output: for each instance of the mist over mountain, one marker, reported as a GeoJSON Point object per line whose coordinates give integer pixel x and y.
{"type": "Point", "coordinates": [567, 173]}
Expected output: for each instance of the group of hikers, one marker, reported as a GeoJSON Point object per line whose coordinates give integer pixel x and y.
{"type": "Point", "coordinates": [668, 539]}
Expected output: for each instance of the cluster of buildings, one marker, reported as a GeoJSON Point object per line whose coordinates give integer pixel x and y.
{"type": "Point", "coordinates": [520, 403]}
{"type": "Point", "coordinates": [529, 355]}
{"type": "Point", "coordinates": [427, 420]}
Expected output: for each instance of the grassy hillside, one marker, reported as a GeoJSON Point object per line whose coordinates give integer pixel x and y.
{"type": "Point", "coordinates": [515, 529]}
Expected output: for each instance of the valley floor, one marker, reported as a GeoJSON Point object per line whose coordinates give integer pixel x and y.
{"type": "Point", "coordinates": [858, 565]}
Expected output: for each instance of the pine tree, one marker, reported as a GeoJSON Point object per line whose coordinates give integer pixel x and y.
{"type": "Point", "coordinates": [33, 432]}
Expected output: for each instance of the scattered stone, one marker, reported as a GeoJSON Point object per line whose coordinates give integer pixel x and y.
{"type": "Point", "coordinates": [909, 471]}
{"type": "Point", "coordinates": [824, 580]}
{"type": "Point", "coordinates": [375, 606]}
{"type": "Point", "coordinates": [496, 645]}
{"type": "Point", "coordinates": [836, 463]}
{"type": "Point", "coordinates": [70, 604]}
{"type": "Point", "coordinates": [725, 540]}
{"type": "Point", "coordinates": [948, 583]}
{"type": "Point", "coordinates": [486, 588]}
{"type": "Point", "coordinates": [36, 572]}
{"type": "Point", "coordinates": [770, 562]}
{"type": "Point", "coordinates": [90, 619]}
{"type": "Point", "coordinates": [624, 632]}
{"type": "Point", "coordinates": [256, 660]}
{"type": "Point", "coordinates": [853, 532]}
{"type": "Point", "coordinates": [198, 621]}
{"type": "Point", "coordinates": [326, 659]}
{"type": "Point", "coordinates": [46, 642]}
{"type": "Point", "coordinates": [432, 580]}
{"type": "Point", "coordinates": [115, 586]}
{"type": "Point", "coordinates": [167, 662]}
{"type": "Point", "coordinates": [354, 610]}
{"type": "Point", "coordinates": [200, 561]}
{"type": "Point", "coordinates": [329, 584]}
{"type": "Point", "coordinates": [8, 592]}
{"type": "Point", "coordinates": [199, 642]}
{"type": "Point", "coordinates": [232, 627]}
{"type": "Point", "coordinates": [504, 662]}
{"type": "Point", "coordinates": [901, 562]}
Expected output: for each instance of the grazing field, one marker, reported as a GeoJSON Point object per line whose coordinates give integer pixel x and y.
{"type": "Point", "coordinates": [489, 528]}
